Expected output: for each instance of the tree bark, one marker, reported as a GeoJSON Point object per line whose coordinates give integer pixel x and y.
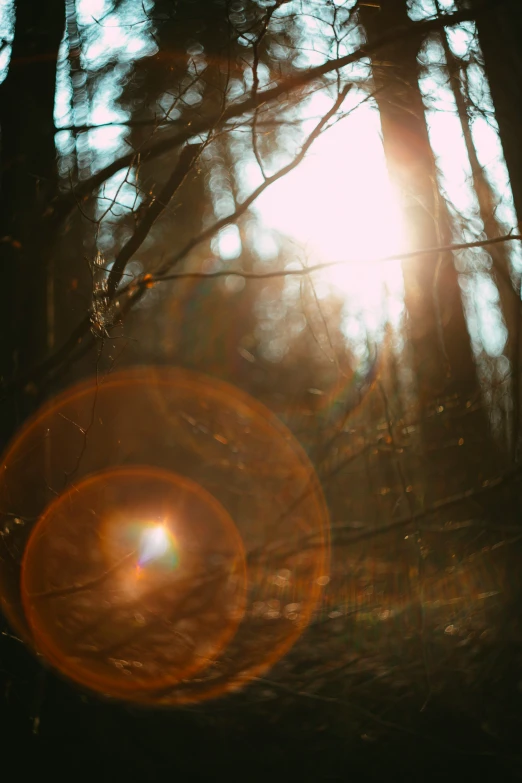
{"type": "Point", "coordinates": [500, 36]}
{"type": "Point", "coordinates": [28, 179]}
{"type": "Point", "coordinates": [439, 343]}
{"type": "Point", "coordinates": [437, 328]}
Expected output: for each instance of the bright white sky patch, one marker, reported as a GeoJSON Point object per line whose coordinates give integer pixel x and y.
{"type": "Point", "coordinates": [339, 205]}
{"type": "Point", "coordinates": [6, 34]}
{"type": "Point", "coordinates": [481, 299]}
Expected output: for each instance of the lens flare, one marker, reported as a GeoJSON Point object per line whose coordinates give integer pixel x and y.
{"type": "Point", "coordinates": [152, 536]}
{"type": "Point", "coordinates": [124, 607]}
{"type": "Point", "coordinates": [155, 544]}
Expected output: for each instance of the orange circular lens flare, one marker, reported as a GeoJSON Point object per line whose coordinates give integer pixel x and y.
{"type": "Point", "coordinates": [133, 581]}
{"type": "Point", "coordinates": [87, 476]}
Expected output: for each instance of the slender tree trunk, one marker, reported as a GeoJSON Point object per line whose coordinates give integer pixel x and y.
{"type": "Point", "coordinates": [28, 171]}
{"type": "Point", "coordinates": [437, 328]}
{"type": "Point", "coordinates": [500, 38]}
{"type": "Point", "coordinates": [506, 284]}
{"type": "Point", "coordinates": [439, 342]}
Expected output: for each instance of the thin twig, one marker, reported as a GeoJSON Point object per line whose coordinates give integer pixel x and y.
{"type": "Point", "coordinates": [64, 202]}
{"type": "Point", "coordinates": [308, 270]}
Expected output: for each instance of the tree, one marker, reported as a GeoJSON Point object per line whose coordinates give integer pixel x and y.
{"type": "Point", "coordinates": [443, 353]}
{"type": "Point", "coordinates": [28, 180]}
{"type": "Point", "coordinates": [499, 33]}
{"type": "Point", "coordinates": [424, 521]}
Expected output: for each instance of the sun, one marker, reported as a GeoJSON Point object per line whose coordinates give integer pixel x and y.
{"type": "Point", "coordinates": [339, 206]}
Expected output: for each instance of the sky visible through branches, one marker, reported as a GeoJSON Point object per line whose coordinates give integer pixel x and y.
{"type": "Point", "coordinates": [339, 225]}
{"type": "Point", "coordinates": [273, 250]}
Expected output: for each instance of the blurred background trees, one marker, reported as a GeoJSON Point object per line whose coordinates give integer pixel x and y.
{"type": "Point", "coordinates": [400, 377]}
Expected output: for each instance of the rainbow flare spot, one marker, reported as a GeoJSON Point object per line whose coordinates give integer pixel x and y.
{"type": "Point", "coordinates": [157, 545]}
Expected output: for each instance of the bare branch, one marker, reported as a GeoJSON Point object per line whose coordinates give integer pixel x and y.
{"type": "Point", "coordinates": [308, 270]}
{"type": "Point", "coordinates": [136, 291]}
{"type": "Point", "coordinates": [62, 204]}
{"type": "Point", "coordinates": [185, 163]}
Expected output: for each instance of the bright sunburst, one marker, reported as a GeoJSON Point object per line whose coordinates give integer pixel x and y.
{"type": "Point", "coordinates": [339, 206]}
{"type": "Point", "coordinates": [155, 543]}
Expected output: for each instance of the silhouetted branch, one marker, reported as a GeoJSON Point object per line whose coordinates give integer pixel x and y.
{"type": "Point", "coordinates": [310, 542]}
{"type": "Point", "coordinates": [62, 204]}
{"type": "Point", "coordinates": [60, 592]}
{"type": "Point", "coordinates": [186, 160]}
{"type": "Point", "coordinates": [137, 291]}
{"type": "Point", "coordinates": [308, 270]}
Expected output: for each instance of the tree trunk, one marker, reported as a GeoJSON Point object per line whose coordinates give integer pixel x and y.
{"type": "Point", "coordinates": [439, 342]}
{"type": "Point", "coordinates": [500, 37]}
{"type": "Point", "coordinates": [501, 273]}
{"type": "Point", "coordinates": [437, 328]}
{"type": "Point", "coordinates": [28, 165]}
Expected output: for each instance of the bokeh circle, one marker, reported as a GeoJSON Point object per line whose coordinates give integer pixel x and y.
{"type": "Point", "coordinates": [132, 580]}
{"type": "Point", "coordinates": [109, 472]}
